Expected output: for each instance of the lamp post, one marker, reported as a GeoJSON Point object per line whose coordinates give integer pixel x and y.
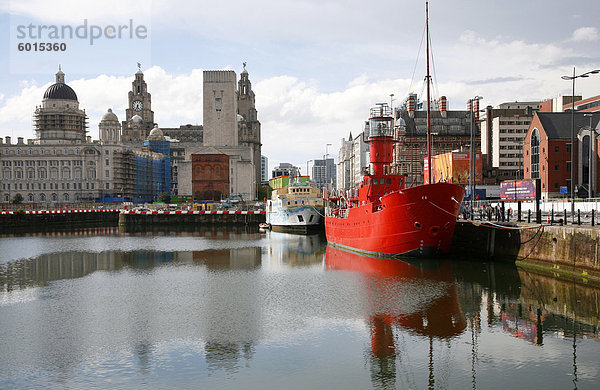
{"type": "Point", "coordinates": [591, 158]}
{"type": "Point", "coordinates": [326, 173]}
{"type": "Point", "coordinates": [307, 174]}
{"type": "Point", "coordinates": [472, 154]}
{"type": "Point", "coordinates": [572, 78]}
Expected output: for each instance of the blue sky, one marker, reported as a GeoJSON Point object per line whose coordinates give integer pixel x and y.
{"type": "Point", "coordinates": [316, 66]}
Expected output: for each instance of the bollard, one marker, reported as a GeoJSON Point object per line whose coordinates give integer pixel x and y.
{"type": "Point", "coordinates": [552, 218]}
{"type": "Point", "coordinates": [578, 217]}
{"type": "Point", "coordinates": [592, 217]}
{"type": "Point", "coordinates": [528, 216]}
{"type": "Point", "coordinates": [565, 218]}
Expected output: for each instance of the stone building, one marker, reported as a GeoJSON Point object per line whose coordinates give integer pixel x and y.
{"type": "Point", "coordinates": [451, 130]}
{"type": "Point", "coordinates": [231, 126]}
{"type": "Point", "coordinates": [353, 158]}
{"type": "Point", "coordinates": [63, 165]}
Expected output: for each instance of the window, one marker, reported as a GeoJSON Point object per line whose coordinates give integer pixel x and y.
{"type": "Point", "coordinates": [107, 174]}
{"type": "Point", "coordinates": [30, 198]}
{"type": "Point", "coordinates": [556, 149]}
{"type": "Point", "coordinates": [6, 175]}
{"type": "Point", "coordinates": [66, 173]}
{"type": "Point", "coordinates": [65, 197]}
{"type": "Point", "coordinates": [535, 154]}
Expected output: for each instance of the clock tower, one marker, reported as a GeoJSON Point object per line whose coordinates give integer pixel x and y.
{"type": "Point", "coordinates": [140, 104]}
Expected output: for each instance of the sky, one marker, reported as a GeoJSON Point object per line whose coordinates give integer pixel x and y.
{"type": "Point", "coordinates": [316, 66]}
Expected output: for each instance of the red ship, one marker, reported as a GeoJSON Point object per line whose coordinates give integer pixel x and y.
{"type": "Point", "coordinates": [387, 218]}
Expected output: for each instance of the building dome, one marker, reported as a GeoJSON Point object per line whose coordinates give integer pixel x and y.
{"type": "Point", "coordinates": [136, 119]}
{"type": "Point", "coordinates": [60, 91]}
{"type": "Point", "coordinates": [156, 134]}
{"type": "Point", "coordinates": [110, 116]}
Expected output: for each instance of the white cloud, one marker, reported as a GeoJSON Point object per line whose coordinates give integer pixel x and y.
{"type": "Point", "coordinates": [585, 34]}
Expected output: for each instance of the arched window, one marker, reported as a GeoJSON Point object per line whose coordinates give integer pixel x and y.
{"type": "Point", "coordinates": [66, 173]}
{"type": "Point", "coordinates": [42, 197]}
{"type": "Point", "coordinates": [30, 174]}
{"type": "Point", "coordinates": [65, 197]}
{"type": "Point", "coordinates": [54, 173]}
{"type": "Point", "coordinates": [30, 198]}
{"type": "Point", "coordinates": [54, 198]}
{"type": "Point", "coordinates": [535, 154]}
{"type": "Point", "coordinates": [6, 198]}
{"type": "Point", "coordinates": [42, 173]}
{"type": "Point", "coordinates": [77, 174]}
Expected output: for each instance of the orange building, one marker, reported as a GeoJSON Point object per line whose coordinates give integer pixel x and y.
{"type": "Point", "coordinates": [210, 175]}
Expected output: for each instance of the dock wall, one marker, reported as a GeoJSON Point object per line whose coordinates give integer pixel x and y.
{"type": "Point", "coordinates": [567, 251]}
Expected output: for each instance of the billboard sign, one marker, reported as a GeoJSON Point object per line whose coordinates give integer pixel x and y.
{"type": "Point", "coordinates": [453, 167]}
{"type": "Point", "coordinates": [517, 190]}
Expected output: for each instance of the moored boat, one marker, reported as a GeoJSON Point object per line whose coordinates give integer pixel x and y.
{"type": "Point", "coordinates": [296, 205]}
{"type": "Point", "coordinates": [387, 218]}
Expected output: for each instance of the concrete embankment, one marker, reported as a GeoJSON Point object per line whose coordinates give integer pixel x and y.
{"type": "Point", "coordinates": [567, 251]}
{"type": "Point", "coordinates": [12, 221]}
{"type": "Point", "coordinates": [158, 218]}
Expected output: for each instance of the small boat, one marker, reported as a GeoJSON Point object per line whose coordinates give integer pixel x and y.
{"type": "Point", "coordinates": [296, 205]}
{"type": "Point", "coordinates": [264, 225]}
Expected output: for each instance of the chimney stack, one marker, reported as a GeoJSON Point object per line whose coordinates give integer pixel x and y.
{"type": "Point", "coordinates": [8, 140]}
{"type": "Point", "coordinates": [410, 105]}
{"type": "Point", "coordinates": [443, 107]}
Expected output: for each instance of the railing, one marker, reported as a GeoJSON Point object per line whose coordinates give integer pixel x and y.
{"type": "Point", "coordinates": [551, 211]}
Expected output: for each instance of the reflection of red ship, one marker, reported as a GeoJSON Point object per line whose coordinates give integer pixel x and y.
{"type": "Point", "coordinates": [433, 309]}
{"type": "Point", "coordinates": [386, 217]}
{"type": "Point", "coordinates": [441, 317]}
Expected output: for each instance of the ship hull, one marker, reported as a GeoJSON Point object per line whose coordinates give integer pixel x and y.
{"type": "Point", "coordinates": [300, 220]}
{"type": "Point", "coordinates": [417, 221]}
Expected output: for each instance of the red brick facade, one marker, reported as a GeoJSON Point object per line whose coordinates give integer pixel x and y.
{"type": "Point", "coordinates": [210, 176]}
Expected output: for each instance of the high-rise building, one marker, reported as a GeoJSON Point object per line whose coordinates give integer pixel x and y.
{"type": "Point", "coordinates": [324, 173]}
{"type": "Point", "coordinates": [285, 169]}
{"type": "Point", "coordinates": [503, 131]}
{"type": "Point", "coordinates": [264, 170]}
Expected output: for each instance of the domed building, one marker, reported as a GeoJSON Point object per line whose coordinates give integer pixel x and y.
{"type": "Point", "coordinates": [59, 120]}
{"type": "Point", "coordinates": [110, 128]}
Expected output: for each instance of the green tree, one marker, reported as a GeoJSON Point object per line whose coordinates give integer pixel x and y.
{"type": "Point", "coordinates": [17, 199]}
{"type": "Point", "coordinates": [164, 197]}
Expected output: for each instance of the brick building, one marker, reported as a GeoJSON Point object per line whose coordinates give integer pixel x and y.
{"type": "Point", "coordinates": [210, 174]}
{"type": "Point", "coordinates": [547, 152]}
{"type": "Point", "coordinates": [451, 131]}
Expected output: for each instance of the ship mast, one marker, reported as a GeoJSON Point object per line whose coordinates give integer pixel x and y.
{"type": "Point", "coordinates": [428, 79]}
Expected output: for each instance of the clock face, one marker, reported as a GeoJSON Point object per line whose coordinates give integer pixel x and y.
{"type": "Point", "coordinates": [137, 105]}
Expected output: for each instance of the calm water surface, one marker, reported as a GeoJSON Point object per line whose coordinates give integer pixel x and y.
{"type": "Point", "coordinates": [249, 310]}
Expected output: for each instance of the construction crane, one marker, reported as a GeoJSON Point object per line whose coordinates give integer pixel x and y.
{"type": "Point", "coordinates": [227, 202]}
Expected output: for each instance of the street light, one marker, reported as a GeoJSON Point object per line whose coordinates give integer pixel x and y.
{"type": "Point", "coordinates": [472, 154]}
{"type": "Point", "coordinates": [307, 174]}
{"type": "Point", "coordinates": [572, 78]}
{"type": "Point", "coordinates": [591, 160]}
